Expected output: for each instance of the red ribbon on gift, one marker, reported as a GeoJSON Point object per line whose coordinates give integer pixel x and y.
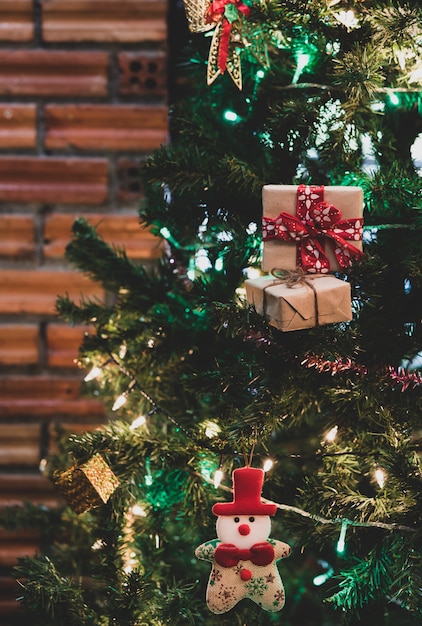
{"type": "Point", "coordinates": [215, 13]}
{"type": "Point", "coordinates": [315, 219]}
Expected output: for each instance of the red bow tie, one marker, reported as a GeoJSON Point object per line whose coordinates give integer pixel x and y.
{"type": "Point", "coordinates": [228, 555]}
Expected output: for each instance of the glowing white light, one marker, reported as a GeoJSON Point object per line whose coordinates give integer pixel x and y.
{"type": "Point", "coordinates": [231, 116]}
{"type": "Point", "coordinates": [416, 75]}
{"type": "Point", "coordinates": [164, 231]}
{"type": "Point", "coordinates": [416, 151]}
{"type": "Point", "coordinates": [122, 351]}
{"type": "Point", "coordinates": [267, 465]}
{"type": "Point", "coordinates": [202, 261]}
{"type": "Point", "coordinates": [157, 541]}
{"type": "Point", "coordinates": [225, 235]}
{"type": "Point", "coordinates": [138, 511]}
{"type": "Point", "coordinates": [119, 402]}
{"type": "Point", "coordinates": [380, 477]}
{"type": "Point", "coordinates": [219, 264]}
{"type": "Point", "coordinates": [212, 429]}
{"type": "Point", "coordinates": [139, 421]}
{"type": "Point", "coordinates": [251, 228]}
{"type": "Point", "coordinates": [347, 18]}
{"type": "Point", "coordinates": [341, 543]}
{"type": "Point", "coordinates": [218, 477]}
{"type": "Point", "coordinates": [332, 434]}
{"type": "Point", "coordinates": [302, 61]}
{"type": "Point", "coordinates": [93, 374]}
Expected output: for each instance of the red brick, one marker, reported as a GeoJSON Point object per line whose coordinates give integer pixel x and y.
{"type": "Point", "coordinates": [20, 444]}
{"type": "Point", "coordinates": [36, 291]}
{"type": "Point", "coordinates": [129, 179]}
{"type": "Point", "coordinates": [122, 230]}
{"type": "Point", "coordinates": [16, 20]}
{"type": "Point", "coordinates": [9, 591]}
{"type": "Point", "coordinates": [63, 344]}
{"type": "Point", "coordinates": [43, 397]}
{"type": "Point", "coordinates": [12, 551]}
{"type": "Point", "coordinates": [47, 179]}
{"type": "Point", "coordinates": [53, 72]}
{"type": "Point", "coordinates": [105, 127]}
{"type": "Point", "coordinates": [114, 21]}
{"type": "Point", "coordinates": [16, 487]}
{"type": "Point", "coordinates": [143, 73]}
{"type": "Point", "coordinates": [18, 126]}
{"type": "Point", "coordinates": [19, 344]}
{"type": "Point", "coordinates": [17, 236]}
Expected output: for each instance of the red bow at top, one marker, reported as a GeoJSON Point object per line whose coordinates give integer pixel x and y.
{"type": "Point", "coordinates": [216, 13]}
{"type": "Point", "coordinates": [228, 555]}
{"type": "Point", "coordinates": [314, 220]}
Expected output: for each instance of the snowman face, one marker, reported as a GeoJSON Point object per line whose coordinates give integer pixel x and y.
{"type": "Point", "coordinates": [243, 531]}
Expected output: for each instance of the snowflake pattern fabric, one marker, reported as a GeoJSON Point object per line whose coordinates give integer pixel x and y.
{"type": "Point", "coordinates": [228, 585]}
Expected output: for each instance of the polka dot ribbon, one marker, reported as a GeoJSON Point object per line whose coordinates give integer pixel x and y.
{"type": "Point", "coordinates": [316, 221]}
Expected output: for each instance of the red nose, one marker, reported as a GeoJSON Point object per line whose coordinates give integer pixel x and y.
{"type": "Point", "coordinates": [244, 529]}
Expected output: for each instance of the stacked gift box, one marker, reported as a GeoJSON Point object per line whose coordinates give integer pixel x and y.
{"type": "Point", "coordinates": [309, 233]}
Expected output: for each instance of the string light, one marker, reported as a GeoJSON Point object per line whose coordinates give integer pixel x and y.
{"type": "Point", "coordinates": [138, 511]}
{"type": "Point", "coordinates": [341, 543]}
{"type": "Point", "coordinates": [380, 477]}
{"type": "Point", "coordinates": [93, 373]}
{"type": "Point", "coordinates": [332, 434]}
{"type": "Point", "coordinates": [322, 578]}
{"type": "Point", "coordinates": [218, 477]}
{"type": "Point", "coordinates": [393, 97]}
{"type": "Point", "coordinates": [302, 60]}
{"type": "Point", "coordinates": [285, 507]}
{"type": "Point", "coordinates": [347, 18]}
{"type": "Point", "coordinates": [268, 463]}
{"type": "Point", "coordinates": [139, 421]}
{"type": "Point", "coordinates": [211, 429]}
{"type": "Point", "coordinates": [231, 116]}
{"type": "Point", "coordinates": [119, 402]}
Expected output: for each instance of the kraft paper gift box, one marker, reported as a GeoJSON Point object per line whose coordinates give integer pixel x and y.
{"type": "Point", "coordinates": [301, 306]}
{"type": "Point", "coordinates": [339, 216]}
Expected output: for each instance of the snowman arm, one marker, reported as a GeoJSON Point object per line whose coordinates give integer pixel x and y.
{"type": "Point", "coordinates": [207, 550]}
{"type": "Point", "coordinates": [281, 549]}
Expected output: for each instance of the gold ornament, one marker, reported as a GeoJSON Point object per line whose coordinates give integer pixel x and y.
{"type": "Point", "coordinates": [224, 16]}
{"type": "Point", "coordinates": [88, 485]}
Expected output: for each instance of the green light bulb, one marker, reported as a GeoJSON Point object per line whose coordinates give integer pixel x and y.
{"type": "Point", "coordinates": [231, 116]}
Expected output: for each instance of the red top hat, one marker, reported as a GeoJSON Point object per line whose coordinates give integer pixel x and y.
{"type": "Point", "coordinates": [247, 487]}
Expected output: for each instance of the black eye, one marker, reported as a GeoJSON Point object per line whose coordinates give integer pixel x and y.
{"type": "Point", "coordinates": [251, 519]}
{"type": "Point", "coordinates": [237, 519]}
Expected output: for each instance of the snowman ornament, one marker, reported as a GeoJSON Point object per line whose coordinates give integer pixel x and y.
{"type": "Point", "coordinates": [244, 556]}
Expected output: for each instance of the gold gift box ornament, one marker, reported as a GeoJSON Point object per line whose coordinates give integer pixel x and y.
{"type": "Point", "coordinates": [308, 233]}
{"type": "Point", "coordinates": [88, 485]}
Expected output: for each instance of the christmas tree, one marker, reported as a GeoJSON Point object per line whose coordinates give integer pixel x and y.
{"type": "Point", "coordinates": [314, 94]}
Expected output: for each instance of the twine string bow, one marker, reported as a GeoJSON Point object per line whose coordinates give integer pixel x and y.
{"type": "Point", "coordinates": [292, 278]}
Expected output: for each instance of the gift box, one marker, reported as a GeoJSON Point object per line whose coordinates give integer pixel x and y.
{"type": "Point", "coordinates": [309, 302]}
{"type": "Point", "coordinates": [316, 228]}
{"type": "Point", "coordinates": [88, 485]}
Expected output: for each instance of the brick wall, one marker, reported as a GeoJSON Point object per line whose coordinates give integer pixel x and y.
{"type": "Point", "coordinates": [83, 100]}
